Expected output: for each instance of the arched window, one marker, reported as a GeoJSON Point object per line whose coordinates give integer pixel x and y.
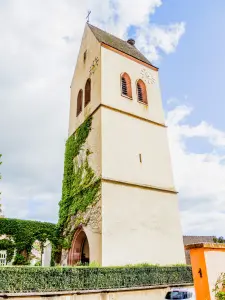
{"type": "Point", "coordinates": [79, 102]}
{"type": "Point", "coordinates": [87, 92]}
{"type": "Point", "coordinates": [126, 85]}
{"type": "Point", "coordinates": [141, 92]}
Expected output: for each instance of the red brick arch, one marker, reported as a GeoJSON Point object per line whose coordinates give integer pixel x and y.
{"type": "Point", "coordinates": [142, 92]}
{"type": "Point", "coordinates": [75, 253]}
{"type": "Point", "coordinates": [126, 89]}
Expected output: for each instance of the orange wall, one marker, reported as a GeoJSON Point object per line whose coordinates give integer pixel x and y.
{"type": "Point", "coordinates": [201, 284]}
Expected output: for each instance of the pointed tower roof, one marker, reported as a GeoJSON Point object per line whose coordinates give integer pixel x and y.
{"type": "Point", "coordinates": [126, 47]}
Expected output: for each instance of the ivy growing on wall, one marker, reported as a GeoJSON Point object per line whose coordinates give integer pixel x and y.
{"type": "Point", "coordinates": [22, 234]}
{"type": "Point", "coordinates": [80, 184]}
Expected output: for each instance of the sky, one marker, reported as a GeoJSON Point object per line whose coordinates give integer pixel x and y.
{"type": "Point", "coordinates": [39, 44]}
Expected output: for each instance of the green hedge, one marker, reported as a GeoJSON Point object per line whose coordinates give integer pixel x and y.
{"type": "Point", "coordinates": [37, 279]}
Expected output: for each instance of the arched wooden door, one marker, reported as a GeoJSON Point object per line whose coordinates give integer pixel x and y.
{"type": "Point", "coordinates": [79, 251]}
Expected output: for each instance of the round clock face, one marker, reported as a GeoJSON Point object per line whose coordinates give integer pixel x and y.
{"type": "Point", "coordinates": [147, 77]}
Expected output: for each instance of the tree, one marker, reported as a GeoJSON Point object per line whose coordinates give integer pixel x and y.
{"type": "Point", "coordinates": [220, 240]}
{"type": "Point", "coordinates": [1, 215]}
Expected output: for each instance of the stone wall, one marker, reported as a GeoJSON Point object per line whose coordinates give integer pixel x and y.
{"type": "Point", "coordinates": [144, 293]}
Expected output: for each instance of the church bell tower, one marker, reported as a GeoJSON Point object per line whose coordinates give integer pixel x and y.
{"type": "Point", "coordinates": [138, 220]}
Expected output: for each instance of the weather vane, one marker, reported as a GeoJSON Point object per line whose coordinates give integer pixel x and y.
{"type": "Point", "coordinates": [89, 12]}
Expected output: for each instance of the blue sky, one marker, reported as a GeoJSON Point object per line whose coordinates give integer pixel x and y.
{"type": "Point", "coordinates": [184, 38]}
{"type": "Point", "coordinates": [197, 67]}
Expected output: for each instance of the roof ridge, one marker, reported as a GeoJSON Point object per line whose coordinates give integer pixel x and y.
{"type": "Point", "coordinates": [90, 25]}
{"type": "Point", "coordinates": [119, 44]}
{"type": "Point", "coordinates": [199, 235]}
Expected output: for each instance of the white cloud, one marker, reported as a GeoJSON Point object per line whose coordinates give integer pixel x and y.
{"type": "Point", "coordinates": [164, 38]}
{"type": "Point", "coordinates": [117, 16]}
{"type": "Point", "coordinates": [173, 101]}
{"type": "Point", "coordinates": [40, 41]}
{"type": "Point", "coordinates": [151, 38]}
{"type": "Point", "coordinates": [199, 177]}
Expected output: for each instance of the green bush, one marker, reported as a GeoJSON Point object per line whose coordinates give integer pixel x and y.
{"type": "Point", "coordinates": [20, 260]}
{"type": "Point", "coordinates": [220, 296]}
{"type": "Point", "coordinates": [220, 284]}
{"type": "Point", "coordinates": [37, 279]}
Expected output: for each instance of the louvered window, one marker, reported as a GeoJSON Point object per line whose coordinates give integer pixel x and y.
{"type": "Point", "coordinates": [141, 92]}
{"type": "Point", "coordinates": [140, 95]}
{"type": "Point", "coordinates": [124, 86]}
{"type": "Point", "coordinates": [79, 102]}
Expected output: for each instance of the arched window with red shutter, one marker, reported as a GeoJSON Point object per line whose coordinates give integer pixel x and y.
{"type": "Point", "coordinates": [141, 92]}
{"type": "Point", "coordinates": [87, 98]}
{"type": "Point", "coordinates": [126, 85]}
{"type": "Point", "coordinates": [79, 102]}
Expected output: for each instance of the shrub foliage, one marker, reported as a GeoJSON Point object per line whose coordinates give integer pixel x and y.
{"type": "Point", "coordinates": [35, 279]}
{"type": "Point", "coordinates": [219, 289]}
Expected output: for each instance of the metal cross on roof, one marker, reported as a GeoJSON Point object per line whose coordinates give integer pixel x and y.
{"type": "Point", "coordinates": [89, 12]}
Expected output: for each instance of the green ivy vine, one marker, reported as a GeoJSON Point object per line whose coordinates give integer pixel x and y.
{"type": "Point", "coordinates": [80, 187]}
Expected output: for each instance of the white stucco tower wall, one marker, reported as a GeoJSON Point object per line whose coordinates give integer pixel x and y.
{"type": "Point", "coordinates": [139, 204]}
